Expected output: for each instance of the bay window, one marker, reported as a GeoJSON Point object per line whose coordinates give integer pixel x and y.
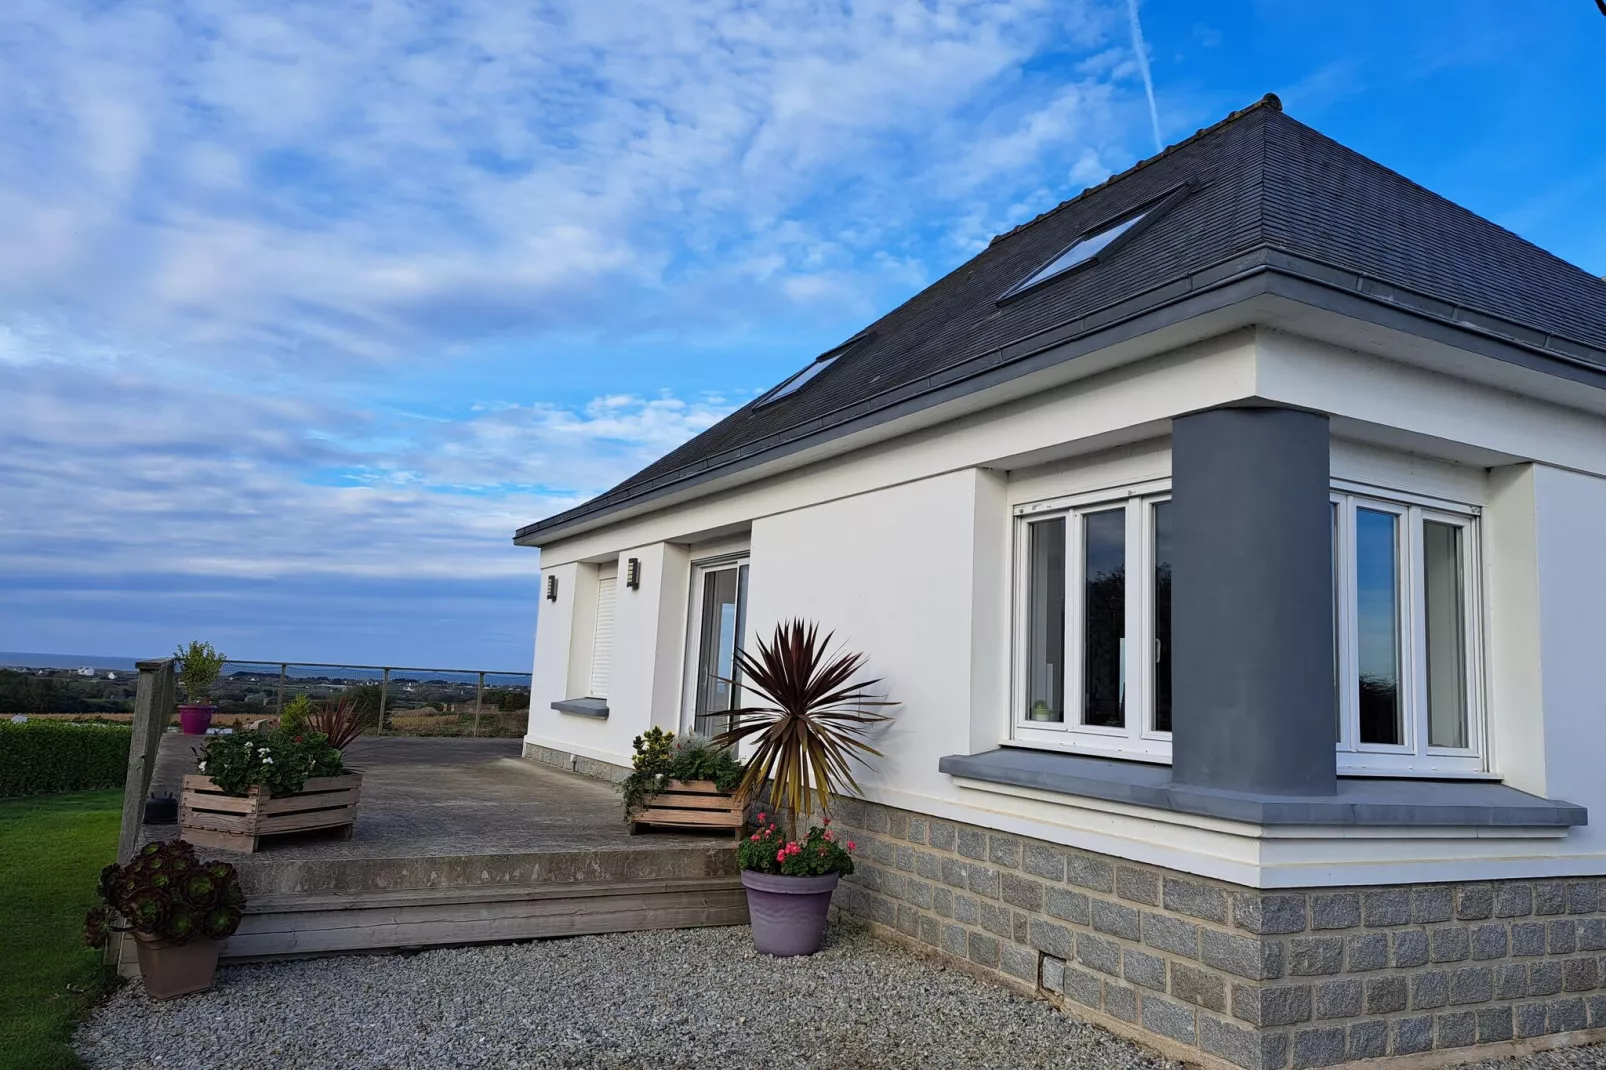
{"type": "Point", "coordinates": [1093, 627]}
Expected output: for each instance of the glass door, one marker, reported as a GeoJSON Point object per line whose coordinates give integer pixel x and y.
{"type": "Point", "coordinates": [719, 619]}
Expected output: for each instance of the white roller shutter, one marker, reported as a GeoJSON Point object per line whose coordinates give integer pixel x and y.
{"type": "Point", "coordinates": [602, 639]}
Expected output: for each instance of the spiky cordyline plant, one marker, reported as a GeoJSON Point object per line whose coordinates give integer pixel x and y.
{"type": "Point", "coordinates": [340, 719]}
{"type": "Point", "coordinates": [811, 728]}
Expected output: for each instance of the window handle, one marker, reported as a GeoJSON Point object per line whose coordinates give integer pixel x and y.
{"type": "Point", "coordinates": [1158, 645]}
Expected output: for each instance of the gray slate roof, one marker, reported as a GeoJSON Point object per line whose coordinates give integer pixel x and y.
{"type": "Point", "coordinates": [1265, 189]}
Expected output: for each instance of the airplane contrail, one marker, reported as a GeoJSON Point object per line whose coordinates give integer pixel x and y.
{"type": "Point", "coordinates": [1143, 67]}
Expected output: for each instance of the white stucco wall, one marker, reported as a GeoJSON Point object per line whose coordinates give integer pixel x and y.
{"type": "Point", "coordinates": [892, 574]}
{"type": "Point", "coordinates": [1571, 529]}
{"type": "Point", "coordinates": [648, 647]}
{"type": "Point", "coordinates": [904, 549]}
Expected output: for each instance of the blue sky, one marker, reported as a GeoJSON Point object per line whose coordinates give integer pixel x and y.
{"type": "Point", "coordinates": [305, 307]}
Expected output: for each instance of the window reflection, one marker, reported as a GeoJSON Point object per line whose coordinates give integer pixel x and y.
{"type": "Point", "coordinates": [1377, 606]}
{"type": "Point", "coordinates": [1045, 699]}
{"type": "Point", "coordinates": [1104, 621]}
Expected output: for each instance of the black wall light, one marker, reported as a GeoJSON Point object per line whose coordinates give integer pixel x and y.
{"type": "Point", "coordinates": [633, 573]}
{"type": "Point", "coordinates": [551, 588]}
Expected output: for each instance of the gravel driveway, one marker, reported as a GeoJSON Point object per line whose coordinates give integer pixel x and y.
{"type": "Point", "coordinates": [680, 998]}
{"type": "Point", "coordinates": [653, 1000]}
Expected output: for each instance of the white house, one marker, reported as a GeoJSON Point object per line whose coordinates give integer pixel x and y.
{"type": "Point", "coordinates": [1234, 538]}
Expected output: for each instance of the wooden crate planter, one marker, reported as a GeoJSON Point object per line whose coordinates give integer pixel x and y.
{"type": "Point", "coordinates": [210, 818]}
{"type": "Point", "coordinates": [693, 804]}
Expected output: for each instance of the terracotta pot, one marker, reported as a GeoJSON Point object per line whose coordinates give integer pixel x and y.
{"type": "Point", "coordinates": [788, 913]}
{"type": "Point", "coordinates": [170, 971]}
{"type": "Point", "coordinates": [194, 720]}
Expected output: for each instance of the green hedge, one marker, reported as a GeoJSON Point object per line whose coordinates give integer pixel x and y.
{"type": "Point", "coordinates": [45, 757]}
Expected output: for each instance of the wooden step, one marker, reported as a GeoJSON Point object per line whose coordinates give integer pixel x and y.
{"type": "Point", "coordinates": [298, 925]}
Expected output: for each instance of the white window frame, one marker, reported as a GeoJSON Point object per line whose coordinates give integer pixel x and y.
{"type": "Point", "coordinates": [1137, 738]}
{"type": "Point", "coordinates": [1414, 756]}
{"type": "Point", "coordinates": [1140, 741]}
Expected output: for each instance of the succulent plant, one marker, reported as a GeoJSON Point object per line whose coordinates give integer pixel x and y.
{"type": "Point", "coordinates": [166, 892]}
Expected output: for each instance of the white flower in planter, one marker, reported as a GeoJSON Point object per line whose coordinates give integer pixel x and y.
{"type": "Point", "coordinates": [267, 761]}
{"type": "Point", "coordinates": [202, 767]}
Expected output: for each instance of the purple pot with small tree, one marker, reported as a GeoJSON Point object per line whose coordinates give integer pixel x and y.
{"type": "Point", "coordinates": [804, 737]}
{"type": "Point", "coordinates": [199, 668]}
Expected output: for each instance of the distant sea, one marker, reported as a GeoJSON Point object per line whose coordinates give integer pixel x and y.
{"type": "Point", "coordinates": [15, 659]}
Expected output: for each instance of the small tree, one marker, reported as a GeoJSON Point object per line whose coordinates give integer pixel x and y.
{"type": "Point", "coordinates": [810, 728]}
{"type": "Point", "coordinates": [199, 668]}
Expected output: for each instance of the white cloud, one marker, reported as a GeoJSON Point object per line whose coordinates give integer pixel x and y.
{"type": "Point", "coordinates": [191, 481]}
{"type": "Point", "coordinates": [224, 223]}
{"type": "Point", "coordinates": [345, 176]}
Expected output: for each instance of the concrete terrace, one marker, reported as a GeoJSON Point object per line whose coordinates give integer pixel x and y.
{"type": "Point", "coordinates": [462, 841]}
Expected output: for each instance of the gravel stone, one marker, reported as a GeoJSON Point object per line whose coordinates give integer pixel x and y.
{"type": "Point", "coordinates": [682, 999]}
{"type": "Point", "coordinates": [665, 999]}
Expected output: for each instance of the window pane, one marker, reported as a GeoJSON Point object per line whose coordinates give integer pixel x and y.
{"type": "Point", "coordinates": [1088, 247]}
{"type": "Point", "coordinates": [1377, 607]}
{"type": "Point", "coordinates": [1446, 635]}
{"type": "Point", "coordinates": [1104, 619]}
{"type": "Point", "coordinates": [1045, 658]}
{"type": "Point", "coordinates": [716, 649]}
{"type": "Point", "coordinates": [1162, 617]}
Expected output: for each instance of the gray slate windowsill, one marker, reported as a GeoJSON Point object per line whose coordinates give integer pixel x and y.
{"type": "Point", "coordinates": [1359, 802]}
{"type": "Point", "coordinates": [596, 708]}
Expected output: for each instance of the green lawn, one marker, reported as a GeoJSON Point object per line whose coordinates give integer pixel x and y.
{"type": "Point", "coordinates": [52, 849]}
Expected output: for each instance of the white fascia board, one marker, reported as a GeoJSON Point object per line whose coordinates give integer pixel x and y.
{"type": "Point", "coordinates": [1449, 400]}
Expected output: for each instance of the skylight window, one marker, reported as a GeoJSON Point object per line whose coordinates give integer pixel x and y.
{"type": "Point", "coordinates": [800, 380]}
{"type": "Point", "coordinates": [1089, 247]}
{"type": "Point", "coordinates": [1081, 251]}
{"type": "Point", "coordinates": [809, 374]}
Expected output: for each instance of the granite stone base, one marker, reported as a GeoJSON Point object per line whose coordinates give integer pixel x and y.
{"type": "Point", "coordinates": [1225, 974]}
{"type": "Point", "coordinates": [575, 763]}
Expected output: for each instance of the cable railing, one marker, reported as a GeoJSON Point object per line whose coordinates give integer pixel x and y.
{"type": "Point", "coordinates": [403, 693]}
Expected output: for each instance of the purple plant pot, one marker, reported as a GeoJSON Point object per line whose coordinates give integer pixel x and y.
{"type": "Point", "coordinates": [788, 913]}
{"type": "Point", "coordinates": [195, 720]}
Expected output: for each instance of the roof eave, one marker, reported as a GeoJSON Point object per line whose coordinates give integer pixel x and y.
{"type": "Point", "coordinates": [1273, 272]}
{"type": "Point", "coordinates": [1207, 291]}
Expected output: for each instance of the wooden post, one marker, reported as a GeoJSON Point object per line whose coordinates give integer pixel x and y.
{"type": "Point", "coordinates": [154, 697]}
{"type": "Point", "coordinates": [282, 667]}
{"type": "Point", "coordinates": [384, 688]}
{"type": "Point", "coordinates": [479, 697]}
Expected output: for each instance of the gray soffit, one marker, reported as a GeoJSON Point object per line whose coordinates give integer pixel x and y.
{"type": "Point", "coordinates": [596, 708]}
{"type": "Point", "coordinates": [1273, 201]}
{"type": "Point", "coordinates": [1382, 803]}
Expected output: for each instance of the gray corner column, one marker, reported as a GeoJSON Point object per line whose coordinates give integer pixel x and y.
{"type": "Point", "coordinates": [1252, 602]}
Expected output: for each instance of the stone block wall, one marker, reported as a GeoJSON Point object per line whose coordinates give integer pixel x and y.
{"type": "Point", "coordinates": [1220, 972]}
{"type": "Point", "coordinates": [575, 763]}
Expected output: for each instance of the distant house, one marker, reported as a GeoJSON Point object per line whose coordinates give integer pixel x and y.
{"type": "Point", "coordinates": [1232, 537]}
{"type": "Point", "coordinates": [87, 670]}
